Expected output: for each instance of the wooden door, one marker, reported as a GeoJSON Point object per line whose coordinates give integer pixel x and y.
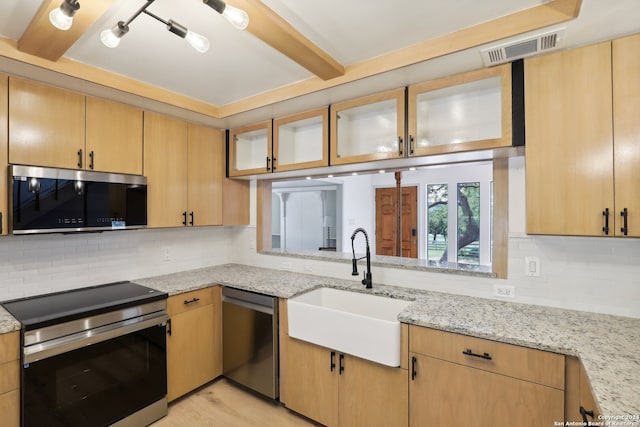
{"type": "Point", "coordinates": [372, 395]}
{"type": "Point", "coordinates": [46, 125]}
{"type": "Point", "coordinates": [205, 172]}
{"type": "Point", "coordinates": [386, 221]}
{"type": "Point", "coordinates": [444, 393]}
{"type": "Point", "coordinates": [569, 161]}
{"type": "Point", "coordinates": [190, 351]}
{"type": "Point", "coordinates": [250, 149]}
{"type": "Point", "coordinates": [409, 222]}
{"type": "Point", "coordinates": [397, 222]}
{"type": "Point", "coordinates": [586, 399]}
{"type": "Point", "coordinates": [626, 131]}
{"type": "Point", "coordinates": [114, 136]}
{"type": "Point", "coordinates": [4, 153]}
{"type": "Point", "coordinates": [165, 165]}
{"type": "Point", "coordinates": [311, 383]}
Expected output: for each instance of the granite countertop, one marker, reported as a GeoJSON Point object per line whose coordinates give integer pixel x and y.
{"type": "Point", "coordinates": [608, 346]}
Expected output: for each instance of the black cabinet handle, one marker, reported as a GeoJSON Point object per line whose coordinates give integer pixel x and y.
{"type": "Point", "coordinates": [400, 146]}
{"type": "Point", "coordinates": [410, 145]}
{"type": "Point", "coordinates": [191, 220]}
{"type": "Point", "coordinates": [191, 301]}
{"type": "Point", "coordinates": [273, 164]}
{"type": "Point", "coordinates": [624, 214]}
{"type": "Point", "coordinates": [605, 214]}
{"type": "Point", "coordinates": [469, 352]}
{"type": "Point", "coordinates": [584, 414]}
{"type": "Point", "coordinates": [80, 158]}
{"type": "Point", "coordinates": [91, 160]}
{"type": "Point", "coordinates": [332, 363]}
{"type": "Point", "coordinates": [184, 218]}
{"type": "Point", "coordinates": [169, 327]}
{"type": "Point", "coordinates": [268, 162]}
{"type": "Point", "coordinates": [413, 367]}
{"type": "Point", "coordinates": [341, 364]}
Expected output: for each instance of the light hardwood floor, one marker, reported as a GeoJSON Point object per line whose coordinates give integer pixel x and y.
{"type": "Point", "coordinates": [223, 404]}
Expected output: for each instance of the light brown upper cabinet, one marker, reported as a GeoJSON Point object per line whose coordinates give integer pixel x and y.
{"type": "Point", "coordinates": [46, 125]}
{"type": "Point", "coordinates": [183, 164]}
{"type": "Point", "coordinates": [4, 152]}
{"type": "Point", "coordinates": [114, 137]}
{"type": "Point", "coordinates": [583, 153]}
{"type": "Point", "coordinates": [54, 127]}
{"type": "Point", "coordinates": [368, 128]}
{"type": "Point", "coordinates": [301, 141]}
{"type": "Point", "coordinates": [469, 111]}
{"type": "Point", "coordinates": [250, 150]}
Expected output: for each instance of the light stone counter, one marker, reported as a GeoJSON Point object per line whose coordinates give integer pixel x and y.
{"type": "Point", "coordinates": [609, 346]}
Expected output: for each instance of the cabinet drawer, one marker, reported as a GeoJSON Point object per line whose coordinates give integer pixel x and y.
{"type": "Point", "coordinates": [9, 347]}
{"type": "Point", "coordinates": [189, 301]}
{"type": "Point", "coordinates": [537, 366]}
{"type": "Point", "coordinates": [10, 409]}
{"type": "Point", "coordinates": [9, 376]}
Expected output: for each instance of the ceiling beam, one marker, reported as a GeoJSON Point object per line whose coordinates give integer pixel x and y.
{"type": "Point", "coordinates": [42, 39]}
{"type": "Point", "coordinates": [269, 27]}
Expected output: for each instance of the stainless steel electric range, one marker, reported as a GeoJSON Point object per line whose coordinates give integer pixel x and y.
{"type": "Point", "coordinates": [93, 356]}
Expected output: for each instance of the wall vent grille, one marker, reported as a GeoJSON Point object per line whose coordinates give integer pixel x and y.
{"type": "Point", "coordinates": [522, 48]}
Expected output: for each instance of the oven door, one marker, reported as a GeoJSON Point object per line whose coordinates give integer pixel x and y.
{"type": "Point", "coordinates": [97, 384]}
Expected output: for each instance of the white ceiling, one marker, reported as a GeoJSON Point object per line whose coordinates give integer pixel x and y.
{"type": "Point", "coordinates": [239, 65]}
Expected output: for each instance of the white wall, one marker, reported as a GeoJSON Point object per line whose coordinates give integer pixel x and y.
{"type": "Point", "coordinates": [32, 265]}
{"type": "Point", "coordinates": [582, 273]}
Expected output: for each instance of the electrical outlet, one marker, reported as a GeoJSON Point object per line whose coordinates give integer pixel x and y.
{"type": "Point", "coordinates": [286, 265]}
{"type": "Point", "coordinates": [165, 255]}
{"type": "Point", "coordinates": [532, 266]}
{"type": "Point", "coordinates": [504, 291]}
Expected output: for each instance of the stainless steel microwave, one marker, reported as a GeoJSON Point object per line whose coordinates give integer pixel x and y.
{"type": "Point", "coordinates": [49, 200]}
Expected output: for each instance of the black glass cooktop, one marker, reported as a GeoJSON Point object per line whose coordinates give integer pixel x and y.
{"type": "Point", "coordinates": [44, 310]}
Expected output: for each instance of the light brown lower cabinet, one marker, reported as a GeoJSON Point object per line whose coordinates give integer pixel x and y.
{"type": "Point", "coordinates": [9, 380]}
{"type": "Point", "coordinates": [194, 341]}
{"type": "Point", "coordinates": [580, 404]}
{"type": "Point", "coordinates": [337, 389]}
{"type": "Point", "coordinates": [459, 380]}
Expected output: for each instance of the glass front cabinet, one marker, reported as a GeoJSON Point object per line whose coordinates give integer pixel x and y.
{"type": "Point", "coordinates": [301, 141]}
{"type": "Point", "coordinates": [470, 111]}
{"type": "Point", "coordinates": [368, 128]}
{"type": "Point", "coordinates": [250, 150]}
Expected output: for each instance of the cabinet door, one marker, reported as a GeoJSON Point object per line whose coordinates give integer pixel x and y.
{"type": "Point", "coordinates": [469, 111]}
{"type": "Point", "coordinates": [206, 172]}
{"type": "Point", "coordinates": [165, 165]}
{"type": "Point", "coordinates": [626, 130]}
{"type": "Point", "coordinates": [372, 395]}
{"type": "Point", "coordinates": [588, 404]}
{"type": "Point", "coordinates": [114, 137]}
{"type": "Point", "coordinates": [444, 393]}
{"type": "Point", "coordinates": [10, 379]}
{"type": "Point", "coordinates": [312, 381]}
{"type": "Point", "coordinates": [4, 159]}
{"type": "Point", "coordinates": [369, 128]}
{"type": "Point", "coordinates": [301, 141]}
{"type": "Point", "coordinates": [250, 150]}
{"type": "Point", "coordinates": [194, 347]}
{"type": "Point", "coordinates": [46, 125]}
{"type": "Point", "coordinates": [569, 158]}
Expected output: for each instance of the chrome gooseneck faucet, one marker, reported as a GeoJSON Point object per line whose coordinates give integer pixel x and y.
{"type": "Point", "coordinates": [367, 276]}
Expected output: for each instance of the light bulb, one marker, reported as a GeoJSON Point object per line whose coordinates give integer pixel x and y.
{"type": "Point", "coordinates": [111, 37]}
{"type": "Point", "coordinates": [197, 41]}
{"type": "Point", "coordinates": [237, 17]}
{"type": "Point", "coordinates": [60, 20]}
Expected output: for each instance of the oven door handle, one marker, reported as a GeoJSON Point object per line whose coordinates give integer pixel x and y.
{"type": "Point", "coordinates": [67, 343]}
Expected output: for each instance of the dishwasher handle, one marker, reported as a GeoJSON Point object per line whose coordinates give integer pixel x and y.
{"type": "Point", "coordinates": [267, 309]}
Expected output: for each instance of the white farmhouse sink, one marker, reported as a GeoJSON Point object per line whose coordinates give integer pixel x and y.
{"type": "Point", "coordinates": [359, 324]}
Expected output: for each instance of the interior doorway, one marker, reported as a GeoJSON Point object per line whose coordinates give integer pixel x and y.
{"type": "Point", "coordinates": [397, 221]}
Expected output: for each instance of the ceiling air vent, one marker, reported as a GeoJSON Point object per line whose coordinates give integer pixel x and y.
{"type": "Point", "coordinates": [522, 48]}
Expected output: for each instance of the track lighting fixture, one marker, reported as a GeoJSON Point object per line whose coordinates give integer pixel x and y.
{"type": "Point", "coordinates": [237, 17]}
{"type": "Point", "coordinates": [62, 17]}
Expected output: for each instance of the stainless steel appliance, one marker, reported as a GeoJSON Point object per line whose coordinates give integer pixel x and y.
{"type": "Point", "coordinates": [93, 356]}
{"type": "Point", "coordinates": [47, 200]}
{"type": "Point", "coordinates": [250, 340]}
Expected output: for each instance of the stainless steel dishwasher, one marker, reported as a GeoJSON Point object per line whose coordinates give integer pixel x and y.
{"type": "Point", "coordinates": [250, 340]}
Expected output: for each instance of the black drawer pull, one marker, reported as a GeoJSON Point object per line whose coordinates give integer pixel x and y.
{"type": "Point", "coordinates": [624, 214]}
{"type": "Point", "coordinates": [584, 414]}
{"type": "Point", "coordinates": [169, 327]}
{"type": "Point", "coordinates": [413, 367]}
{"type": "Point", "coordinates": [341, 370]}
{"type": "Point", "coordinates": [484, 356]}
{"type": "Point", "coordinates": [333, 361]}
{"type": "Point", "coordinates": [605, 214]}
{"type": "Point", "coordinates": [80, 158]}
{"type": "Point", "coordinates": [91, 162]}
{"type": "Point", "coordinates": [191, 301]}
{"type": "Point", "coordinates": [191, 221]}
{"type": "Point", "coordinates": [400, 146]}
